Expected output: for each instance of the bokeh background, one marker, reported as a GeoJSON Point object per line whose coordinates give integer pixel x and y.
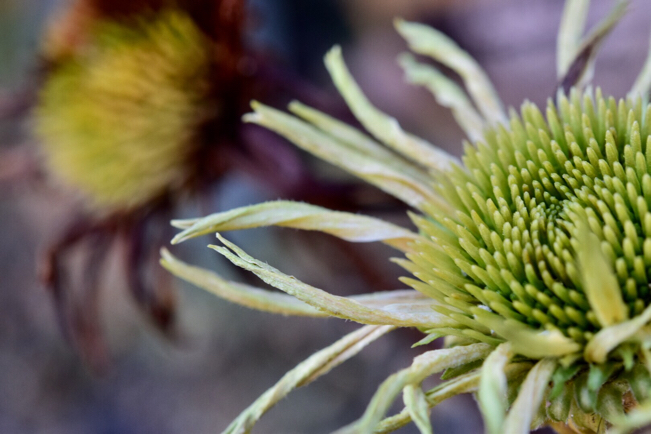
{"type": "Point", "coordinates": [228, 355]}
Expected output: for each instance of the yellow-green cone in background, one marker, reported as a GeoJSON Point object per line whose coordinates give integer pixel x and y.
{"type": "Point", "coordinates": [119, 119]}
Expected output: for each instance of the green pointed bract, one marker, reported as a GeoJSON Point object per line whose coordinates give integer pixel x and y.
{"type": "Point", "coordinates": [599, 282]}
{"type": "Point", "coordinates": [532, 257]}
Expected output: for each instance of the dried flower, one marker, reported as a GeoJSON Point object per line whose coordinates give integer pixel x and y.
{"type": "Point", "coordinates": [135, 111]}
{"type": "Point", "coordinates": [531, 257]}
{"type": "Point", "coordinates": [136, 105]}
{"type": "Point", "coordinates": [130, 108]}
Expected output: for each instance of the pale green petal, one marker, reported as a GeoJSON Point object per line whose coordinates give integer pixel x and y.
{"type": "Point", "coordinates": [425, 40]}
{"type": "Point", "coordinates": [341, 307]}
{"type": "Point", "coordinates": [350, 227]}
{"type": "Point", "coordinates": [581, 67]}
{"type": "Point", "coordinates": [493, 388]}
{"type": "Point", "coordinates": [417, 407]}
{"type": "Point", "coordinates": [599, 282]}
{"type": "Point", "coordinates": [316, 365]}
{"type": "Point", "coordinates": [570, 33]}
{"type": "Point", "coordinates": [425, 365]}
{"type": "Point", "coordinates": [609, 337]}
{"type": "Point", "coordinates": [382, 126]}
{"type": "Point", "coordinates": [642, 84]}
{"type": "Point", "coordinates": [529, 398]}
{"type": "Point", "coordinates": [397, 301]}
{"type": "Point", "coordinates": [400, 184]}
{"type": "Point", "coordinates": [245, 295]}
{"type": "Point", "coordinates": [466, 383]}
{"type": "Point", "coordinates": [463, 384]}
{"type": "Point", "coordinates": [447, 93]}
{"type": "Point", "coordinates": [357, 140]}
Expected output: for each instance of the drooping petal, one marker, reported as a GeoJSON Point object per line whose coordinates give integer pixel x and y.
{"type": "Point", "coordinates": [397, 301]}
{"type": "Point", "coordinates": [239, 293]}
{"type": "Point", "coordinates": [466, 383]}
{"type": "Point", "coordinates": [307, 371]}
{"type": "Point", "coordinates": [570, 33]}
{"type": "Point", "coordinates": [382, 126]}
{"type": "Point", "coordinates": [428, 41]}
{"type": "Point", "coordinates": [400, 184]}
{"type": "Point", "coordinates": [493, 388]}
{"type": "Point", "coordinates": [596, 351]}
{"type": "Point", "coordinates": [423, 366]}
{"type": "Point", "coordinates": [337, 306]}
{"type": "Point", "coordinates": [447, 93]}
{"type": "Point", "coordinates": [463, 384]}
{"type": "Point", "coordinates": [529, 398]}
{"type": "Point", "coordinates": [357, 140]}
{"type": "Point", "coordinates": [416, 405]}
{"type": "Point", "coordinates": [581, 68]}
{"type": "Point", "coordinates": [350, 227]}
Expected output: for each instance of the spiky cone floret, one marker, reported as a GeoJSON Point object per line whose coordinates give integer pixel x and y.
{"type": "Point", "coordinates": [532, 255]}
{"type": "Point", "coordinates": [118, 121]}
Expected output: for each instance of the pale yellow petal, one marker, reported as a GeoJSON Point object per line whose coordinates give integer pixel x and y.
{"type": "Point", "coordinates": [596, 351]}
{"type": "Point", "coordinates": [492, 394]}
{"type": "Point", "coordinates": [529, 398]}
{"type": "Point", "coordinates": [570, 33]}
{"type": "Point", "coordinates": [316, 365]}
{"type": "Point", "coordinates": [403, 185]}
{"type": "Point", "coordinates": [350, 227]}
{"type": "Point", "coordinates": [379, 124]}
{"type": "Point", "coordinates": [337, 306]}
{"type": "Point", "coordinates": [447, 94]}
{"type": "Point", "coordinates": [423, 366]}
{"type": "Point", "coordinates": [425, 40]}
{"type": "Point", "coordinates": [416, 405]}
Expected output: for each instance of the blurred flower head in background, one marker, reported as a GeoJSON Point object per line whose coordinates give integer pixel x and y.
{"type": "Point", "coordinates": [120, 120]}
{"type": "Point", "coordinates": [137, 108]}
{"type": "Point", "coordinates": [134, 112]}
{"type": "Point", "coordinates": [532, 257]}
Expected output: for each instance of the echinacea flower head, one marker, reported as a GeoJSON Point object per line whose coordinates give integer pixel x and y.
{"type": "Point", "coordinates": [532, 253]}
{"type": "Point", "coordinates": [118, 120]}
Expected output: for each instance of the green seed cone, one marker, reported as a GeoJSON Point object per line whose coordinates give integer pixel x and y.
{"type": "Point", "coordinates": [551, 218]}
